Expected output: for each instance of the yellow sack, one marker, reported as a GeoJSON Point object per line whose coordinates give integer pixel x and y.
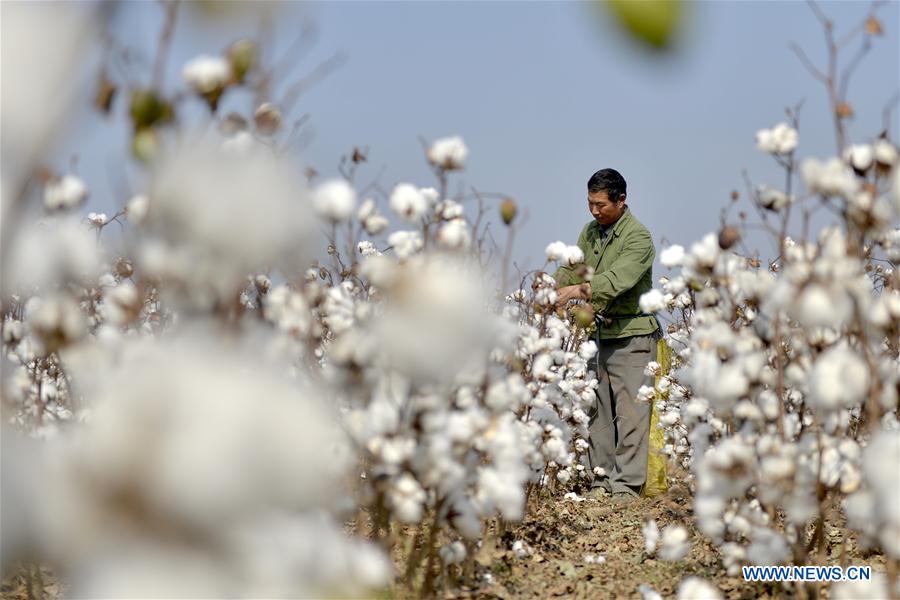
{"type": "Point", "coordinates": [656, 461]}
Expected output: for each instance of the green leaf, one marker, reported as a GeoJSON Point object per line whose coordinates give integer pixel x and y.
{"type": "Point", "coordinates": [654, 22]}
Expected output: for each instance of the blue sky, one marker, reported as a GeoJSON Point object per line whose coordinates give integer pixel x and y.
{"type": "Point", "coordinates": [545, 94]}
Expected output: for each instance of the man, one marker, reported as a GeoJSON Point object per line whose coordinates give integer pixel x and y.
{"type": "Point", "coordinates": [620, 251]}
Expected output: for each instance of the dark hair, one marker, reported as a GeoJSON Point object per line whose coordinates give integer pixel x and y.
{"type": "Point", "coordinates": [609, 181]}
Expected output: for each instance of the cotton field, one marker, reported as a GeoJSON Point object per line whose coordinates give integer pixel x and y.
{"type": "Point", "coordinates": [251, 381]}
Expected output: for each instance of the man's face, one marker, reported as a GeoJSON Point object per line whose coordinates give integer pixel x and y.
{"type": "Point", "coordinates": [604, 210]}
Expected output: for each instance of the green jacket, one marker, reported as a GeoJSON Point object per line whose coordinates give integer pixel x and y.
{"type": "Point", "coordinates": [623, 270]}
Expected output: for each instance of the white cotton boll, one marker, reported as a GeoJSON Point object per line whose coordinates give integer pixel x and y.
{"type": "Point", "coordinates": [646, 393]}
{"type": "Point", "coordinates": [672, 256]}
{"type": "Point", "coordinates": [198, 435]}
{"type": "Point", "coordinates": [454, 235]}
{"type": "Point", "coordinates": [366, 209]}
{"type": "Point", "coordinates": [684, 300]}
{"type": "Point", "coordinates": [588, 349]}
{"type": "Point", "coordinates": [772, 199]}
{"type": "Point", "coordinates": [859, 156]}
{"type": "Point", "coordinates": [97, 219]}
{"type": "Point", "coordinates": [49, 253]}
{"type": "Point", "coordinates": [883, 478]}
{"type": "Point", "coordinates": [338, 308]}
{"type": "Point", "coordinates": [652, 369]}
{"type": "Point", "coordinates": [508, 393]}
{"type": "Point", "coordinates": [733, 556]}
{"type": "Point", "coordinates": [148, 569]}
{"type": "Point", "coordinates": [217, 217]}
{"type": "Point", "coordinates": [408, 202]}
{"type": "Point", "coordinates": [521, 549]}
{"type": "Point", "coordinates": [652, 301]}
{"type": "Point", "coordinates": [335, 200]}
{"type": "Point", "coordinates": [465, 519]}
{"type": "Point", "coordinates": [651, 536]}
{"type": "Point", "coordinates": [885, 152]}
{"type": "Point", "coordinates": [288, 310]}
{"type": "Point", "coordinates": [839, 378]}
{"type": "Point", "coordinates": [43, 80]}
{"type": "Point", "coordinates": [781, 139]}
{"type": "Point", "coordinates": [370, 568]}
{"type": "Point", "coordinates": [740, 526]}
{"type": "Point", "coordinates": [448, 153]}
{"type": "Point", "coordinates": [708, 509]}
{"type": "Point", "coordinates": [648, 593]}
{"type": "Point", "coordinates": [674, 286]}
{"type": "Point", "coordinates": [393, 451]}
{"type": "Point", "coordinates": [564, 476]}
{"type": "Point", "coordinates": [859, 508]}
{"type": "Point", "coordinates": [407, 498]}
{"type": "Point", "coordinates": [453, 553]}
{"type": "Point", "coordinates": [768, 548]}
{"type": "Point", "coordinates": [65, 193]}
{"type": "Point", "coordinates": [292, 555]}
{"type": "Point", "coordinates": [664, 385]}
{"type": "Point", "coordinates": [748, 411]}
{"type": "Point", "coordinates": [594, 559]}
{"type": "Point", "coordinates": [405, 243]}
{"type": "Point", "coordinates": [121, 303]}
{"type": "Point", "coordinates": [13, 331]}
{"type": "Point", "coordinates": [695, 588]}
{"type": "Point", "coordinates": [704, 253]}
{"type": "Point", "coordinates": [669, 418]}
{"type": "Point", "coordinates": [206, 74]}
{"type": "Point", "coordinates": [555, 251]}
{"type": "Point", "coordinates": [572, 256]}
{"type": "Point", "coordinates": [448, 210]}
{"type": "Point", "coordinates": [431, 195]}
{"type": "Point", "coordinates": [239, 144]}
{"type": "Point", "coordinates": [819, 306]}
{"type": "Point", "coordinates": [540, 367]}
{"type": "Point", "coordinates": [876, 588]}
{"type": "Point", "coordinates": [775, 468]}
{"type": "Point", "coordinates": [851, 478]}
{"type": "Point", "coordinates": [500, 491]}
{"type": "Point", "coordinates": [555, 450]}
{"type": "Point", "coordinates": [674, 543]}
{"type": "Point", "coordinates": [434, 325]}
{"type": "Point", "coordinates": [136, 209]}
{"type": "Point", "coordinates": [55, 321]}
{"type": "Point", "coordinates": [545, 297]}
{"type": "Point", "coordinates": [375, 224]}
{"type": "Point", "coordinates": [366, 249]}
{"type": "Point", "coordinates": [830, 178]}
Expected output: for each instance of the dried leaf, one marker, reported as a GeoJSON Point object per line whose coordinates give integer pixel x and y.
{"type": "Point", "coordinates": [873, 26]}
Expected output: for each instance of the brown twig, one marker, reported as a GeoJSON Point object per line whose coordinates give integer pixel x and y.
{"type": "Point", "coordinates": [165, 42]}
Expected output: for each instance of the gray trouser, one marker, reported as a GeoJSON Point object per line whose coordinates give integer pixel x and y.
{"type": "Point", "coordinates": [619, 424]}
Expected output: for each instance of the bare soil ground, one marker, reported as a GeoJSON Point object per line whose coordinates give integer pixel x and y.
{"type": "Point", "coordinates": [563, 535]}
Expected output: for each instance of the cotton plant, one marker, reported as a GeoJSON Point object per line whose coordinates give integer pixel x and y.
{"type": "Point", "coordinates": [409, 403]}
{"type": "Point", "coordinates": [161, 413]}
{"type": "Point", "coordinates": [784, 374]}
{"type": "Point", "coordinates": [457, 410]}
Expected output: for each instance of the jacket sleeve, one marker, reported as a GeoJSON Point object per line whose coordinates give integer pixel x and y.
{"type": "Point", "coordinates": [635, 258]}
{"type": "Point", "coordinates": [566, 275]}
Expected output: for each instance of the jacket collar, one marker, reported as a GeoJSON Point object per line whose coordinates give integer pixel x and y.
{"type": "Point", "coordinates": [618, 226]}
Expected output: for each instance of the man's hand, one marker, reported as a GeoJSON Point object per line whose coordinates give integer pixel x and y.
{"type": "Point", "coordinates": [581, 291]}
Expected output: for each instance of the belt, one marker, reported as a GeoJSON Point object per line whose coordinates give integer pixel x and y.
{"type": "Point", "coordinates": [602, 319]}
